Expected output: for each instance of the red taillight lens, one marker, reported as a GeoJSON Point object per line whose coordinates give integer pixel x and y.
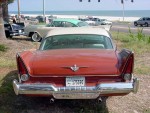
{"type": "Point", "coordinates": [126, 64]}
{"type": "Point", "coordinates": [21, 67]}
{"type": "Point", "coordinates": [128, 69]}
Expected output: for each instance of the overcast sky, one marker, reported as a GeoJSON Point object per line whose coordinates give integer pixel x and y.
{"type": "Point", "coordinates": [75, 5]}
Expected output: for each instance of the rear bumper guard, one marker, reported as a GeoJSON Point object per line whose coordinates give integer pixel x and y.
{"type": "Point", "coordinates": [76, 92]}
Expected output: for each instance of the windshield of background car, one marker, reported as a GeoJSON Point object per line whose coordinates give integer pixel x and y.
{"type": "Point", "coordinates": [76, 41]}
{"type": "Point", "coordinates": [81, 24]}
{"type": "Point", "coordinates": [61, 24]}
{"type": "Point", "coordinates": [17, 27]}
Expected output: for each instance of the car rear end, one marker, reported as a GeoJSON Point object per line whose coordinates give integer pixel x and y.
{"type": "Point", "coordinates": [78, 65]}
{"type": "Point", "coordinates": [84, 77]}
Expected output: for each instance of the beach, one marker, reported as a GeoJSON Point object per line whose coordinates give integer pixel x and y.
{"type": "Point", "coordinates": [110, 18]}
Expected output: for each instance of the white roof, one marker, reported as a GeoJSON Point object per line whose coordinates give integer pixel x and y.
{"type": "Point", "coordinates": [78, 30]}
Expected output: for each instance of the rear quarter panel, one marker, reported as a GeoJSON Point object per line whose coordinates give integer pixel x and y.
{"type": "Point", "coordinates": [41, 30]}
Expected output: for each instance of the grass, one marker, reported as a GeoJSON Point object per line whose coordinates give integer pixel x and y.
{"type": "Point", "coordinates": [146, 111]}
{"type": "Point", "coordinates": [3, 48]}
{"type": "Point", "coordinates": [7, 63]}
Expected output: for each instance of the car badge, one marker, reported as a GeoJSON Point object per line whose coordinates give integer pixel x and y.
{"type": "Point", "coordinates": [75, 67]}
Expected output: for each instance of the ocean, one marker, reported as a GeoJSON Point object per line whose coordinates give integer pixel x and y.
{"type": "Point", "coordinates": [114, 13]}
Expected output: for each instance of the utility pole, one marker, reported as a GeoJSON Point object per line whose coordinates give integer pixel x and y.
{"type": "Point", "coordinates": [19, 10]}
{"type": "Point", "coordinates": [44, 10]}
{"type": "Point", "coordinates": [123, 10]}
{"type": "Point", "coordinates": [122, 2]}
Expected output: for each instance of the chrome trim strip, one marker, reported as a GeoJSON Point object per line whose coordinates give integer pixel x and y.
{"type": "Point", "coordinates": [84, 92]}
{"type": "Point", "coordinates": [74, 68]}
{"type": "Point", "coordinates": [76, 75]}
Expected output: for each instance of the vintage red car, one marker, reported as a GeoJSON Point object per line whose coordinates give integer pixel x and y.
{"type": "Point", "coordinates": [76, 63]}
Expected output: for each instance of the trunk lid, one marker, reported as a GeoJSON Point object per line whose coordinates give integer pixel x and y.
{"type": "Point", "coordinates": [68, 62]}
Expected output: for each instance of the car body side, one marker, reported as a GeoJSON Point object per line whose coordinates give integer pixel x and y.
{"type": "Point", "coordinates": [43, 29]}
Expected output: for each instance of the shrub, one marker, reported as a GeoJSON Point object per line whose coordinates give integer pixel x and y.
{"type": "Point", "coordinates": [140, 35]}
{"type": "Point", "coordinates": [149, 39]}
{"type": "Point", "coordinates": [130, 33]}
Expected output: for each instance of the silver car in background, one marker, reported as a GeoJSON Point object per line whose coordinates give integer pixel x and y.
{"type": "Point", "coordinates": [144, 21]}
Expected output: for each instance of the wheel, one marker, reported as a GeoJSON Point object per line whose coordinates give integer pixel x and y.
{"type": "Point", "coordinates": [135, 23]}
{"type": "Point", "coordinates": [146, 24]}
{"type": "Point", "coordinates": [7, 33]}
{"type": "Point", "coordinates": [36, 37]}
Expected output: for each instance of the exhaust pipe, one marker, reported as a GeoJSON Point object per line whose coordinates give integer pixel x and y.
{"type": "Point", "coordinates": [99, 100]}
{"type": "Point", "coordinates": [52, 100]}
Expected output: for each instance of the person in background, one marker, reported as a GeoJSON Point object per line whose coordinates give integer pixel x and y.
{"type": "Point", "coordinates": [46, 20]}
{"type": "Point", "coordinates": [14, 19]}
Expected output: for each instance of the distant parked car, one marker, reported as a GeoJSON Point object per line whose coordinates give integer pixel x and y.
{"type": "Point", "coordinates": [76, 63]}
{"type": "Point", "coordinates": [37, 32]}
{"type": "Point", "coordinates": [105, 22]}
{"type": "Point", "coordinates": [144, 21]}
{"type": "Point", "coordinates": [40, 18]}
{"type": "Point", "coordinates": [68, 23]}
{"type": "Point", "coordinates": [13, 29]}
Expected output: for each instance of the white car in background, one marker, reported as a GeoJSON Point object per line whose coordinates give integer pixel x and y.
{"type": "Point", "coordinates": [105, 22]}
{"type": "Point", "coordinates": [98, 21]}
{"type": "Point", "coordinates": [37, 32]}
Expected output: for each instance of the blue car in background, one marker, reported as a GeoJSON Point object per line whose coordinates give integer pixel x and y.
{"type": "Point", "coordinates": [13, 29]}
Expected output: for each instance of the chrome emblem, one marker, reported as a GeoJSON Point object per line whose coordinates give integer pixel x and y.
{"type": "Point", "coordinates": [74, 67]}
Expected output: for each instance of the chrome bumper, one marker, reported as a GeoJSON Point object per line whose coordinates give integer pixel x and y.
{"type": "Point", "coordinates": [17, 34]}
{"type": "Point", "coordinates": [76, 92]}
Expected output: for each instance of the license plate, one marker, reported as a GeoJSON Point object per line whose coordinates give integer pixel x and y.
{"type": "Point", "coordinates": [75, 81]}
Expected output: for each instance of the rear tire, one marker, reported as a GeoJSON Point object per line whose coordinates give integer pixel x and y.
{"type": "Point", "coordinates": [146, 24]}
{"type": "Point", "coordinates": [7, 33]}
{"type": "Point", "coordinates": [36, 37]}
{"type": "Point", "coordinates": [135, 23]}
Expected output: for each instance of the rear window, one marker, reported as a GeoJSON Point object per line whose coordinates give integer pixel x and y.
{"type": "Point", "coordinates": [76, 41]}
{"type": "Point", "coordinates": [81, 24]}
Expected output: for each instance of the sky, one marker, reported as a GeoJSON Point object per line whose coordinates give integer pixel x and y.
{"type": "Point", "coordinates": [75, 5]}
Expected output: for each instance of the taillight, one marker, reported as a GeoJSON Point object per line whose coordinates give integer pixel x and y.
{"type": "Point", "coordinates": [22, 70]}
{"type": "Point", "coordinates": [126, 64]}
{"type": "Point", "coordinates": [128, 69]}
{"type": "Point", "coordinates": [129, 65]}
{"type": "Point", "coordinates": [21, 67]}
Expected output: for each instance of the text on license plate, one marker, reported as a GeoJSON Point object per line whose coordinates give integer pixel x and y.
{"type": "Point", "coordinates": [75, 81]}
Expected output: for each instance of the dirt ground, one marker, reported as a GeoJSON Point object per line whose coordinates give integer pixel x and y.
{"type": "Point", "coordinates": [132, 103]}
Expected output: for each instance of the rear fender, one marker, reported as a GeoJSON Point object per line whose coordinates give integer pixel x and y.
{"type": "Point", "coordinates": [126, 61]}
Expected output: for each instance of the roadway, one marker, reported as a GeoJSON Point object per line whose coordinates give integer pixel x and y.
{"type": "Point", "coordinates": [124, 27]}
